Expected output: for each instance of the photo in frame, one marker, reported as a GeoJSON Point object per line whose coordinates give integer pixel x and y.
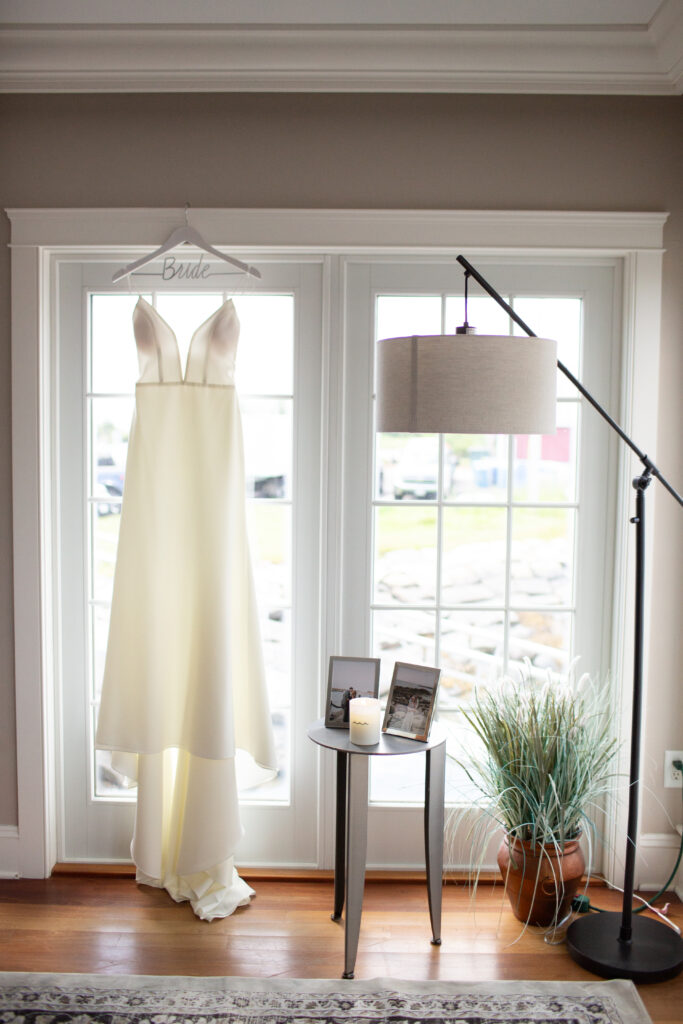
{"type": "Point", "coordinates": [348, 678]}
{"type": "Point", "coordinates": [411, 701]}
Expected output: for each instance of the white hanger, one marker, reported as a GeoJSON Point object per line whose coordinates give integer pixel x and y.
{"type": "Point", "coordinates": [189, 236]}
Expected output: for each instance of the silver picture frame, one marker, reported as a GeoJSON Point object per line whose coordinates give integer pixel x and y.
{"type": "Point", "coordinates": [411, 701]}
{"type": "Point", "coordinates": [347, 678]}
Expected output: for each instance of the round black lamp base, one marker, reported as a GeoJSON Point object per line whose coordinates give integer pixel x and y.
{"type": "Point", "coordinates": [655, 952]}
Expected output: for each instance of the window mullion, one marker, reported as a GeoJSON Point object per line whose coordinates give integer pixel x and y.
{"type": "Point", "coordinates": [508, 541]}
{"type": "Point", "coordinates": [439, 523]}
{"type": "Point", "coordinates": [439, 553]}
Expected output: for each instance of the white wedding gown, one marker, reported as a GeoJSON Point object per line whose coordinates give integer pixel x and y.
{"type": "Point", "coordinates": [184, 683]}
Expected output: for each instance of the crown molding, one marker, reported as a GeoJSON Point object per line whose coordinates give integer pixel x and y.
{"type": "Point", "coordinates": [666, 32]}
{"type": "Point", "coordinates": [633, 60]}
{"type": "Point", "coordinates": [330, 12]}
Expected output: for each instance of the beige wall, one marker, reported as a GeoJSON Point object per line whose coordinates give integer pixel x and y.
{"type": "Point", "coordinates": [479, 152]}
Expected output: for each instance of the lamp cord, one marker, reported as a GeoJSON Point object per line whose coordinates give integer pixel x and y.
{"type": "Point", "coordinates": [465, 328]}
{"type": "Point", "coordinates": [582, 904]}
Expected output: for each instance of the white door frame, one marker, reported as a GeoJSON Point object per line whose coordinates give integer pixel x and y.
{"type": "Point", "coordinates": [95, 826]}
{"type": "Point", "coordinates": [41, 239]}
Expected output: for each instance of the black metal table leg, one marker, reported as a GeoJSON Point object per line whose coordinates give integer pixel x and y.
{"type": "Point", "coordinates": [340, 835]}
{"type": "Point", "coordinates": [356, 851]}
{"type": "Point", "coordinates": [435, 790]}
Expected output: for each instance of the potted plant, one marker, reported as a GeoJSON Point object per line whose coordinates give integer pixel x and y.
{"type": "Point", "coordinates": [547, 758]}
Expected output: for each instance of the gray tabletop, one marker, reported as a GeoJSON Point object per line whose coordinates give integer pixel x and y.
{"type": "Point", "coordinates": [338, 739]}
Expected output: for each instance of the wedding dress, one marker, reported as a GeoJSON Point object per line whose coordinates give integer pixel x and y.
{"type": "Point", "coordinates": [184, 683]}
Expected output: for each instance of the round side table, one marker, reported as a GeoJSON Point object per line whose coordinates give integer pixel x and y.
{"type": "Point", "coordinates": [352, 822]}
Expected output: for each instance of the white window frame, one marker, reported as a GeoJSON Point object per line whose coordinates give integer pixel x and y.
{"type": "Point", "coordinates": [94, 828]}
{"type": "Point", "coordinates": [41, 239]}
{"type": "Point", "coordinates": [397, 841]}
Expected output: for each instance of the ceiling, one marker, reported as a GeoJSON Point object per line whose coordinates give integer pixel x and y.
{"type": "Point", "coordinates": [533, 46]}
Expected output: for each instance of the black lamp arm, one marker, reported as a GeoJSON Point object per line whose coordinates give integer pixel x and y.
{"type": "Point", "coordinates": [647, 463]}
{"type": "Point", "coordinates": [615, 945]}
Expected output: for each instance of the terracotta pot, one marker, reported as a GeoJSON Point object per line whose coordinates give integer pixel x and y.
{"type": "Point", "coordinates": [540, 881]}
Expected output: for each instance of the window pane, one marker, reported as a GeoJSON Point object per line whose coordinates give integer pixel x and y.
{"type": "Point", "coordinates": [100, 632]}
{"type": "Point", "coordinates": [114, 359]}
{"type": "Point", "coordinates": [402, 636]}
{"type": "Point", "coordinates": [397, 780]}
{"type": "Point", "coordinates": [111, 422]}
{"type": "Point", "coordinates": [473, 570]}
{"type": "Point", "coordinates": [407, 466]}
{"type": "Point", "coordinates": [541, 556]}
{"type": "Point", "coordinates": [475, 467]}
{"type": "Point", "coordinates": [559, 319]}
{"type": "Point", "coordinates": [265, 357]}
{"type": "Point", "coordinates": [105, 539]}
{"type": "Point", "coordinates": [267, 424]}
{"type": "Point", "coordinates": [277, 791]}
{"type": "Point", "coordinates": [405, 555]}
{"type": "Point", "coordinates": [276, 636]}
{"type": "Point", "coordinates": [399, 316]}
{"type": "Point", "coordinates": [270, 536]}
{"type": "Point", "coordinates": [483, 313]}
{"type": "Point", "coordinates": [472, 654]}
{"type": "Point", "coordinates": [542, 637]}
{"type": "Point", "coordinates": [545, 466]}
{"type": "Point", "coordinates": [107, 781]}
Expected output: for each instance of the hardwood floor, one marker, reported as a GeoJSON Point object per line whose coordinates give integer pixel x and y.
{"type": "Point", "coordinates": [110, 925]}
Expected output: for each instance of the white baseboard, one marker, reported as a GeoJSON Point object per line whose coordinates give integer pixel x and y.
{"type": "Point", "coordinates": [9, 851]}
{"type": "Point", "coordinates": [678, 881]}
{"type": "Point", "coordinates": [657, 852]}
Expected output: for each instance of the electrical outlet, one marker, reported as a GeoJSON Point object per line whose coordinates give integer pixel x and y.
{"type": "Point", "coordinates": [673, 778]}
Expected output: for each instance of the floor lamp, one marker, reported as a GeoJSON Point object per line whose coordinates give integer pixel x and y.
{"type": "Point", "coordinates": [469, 383]}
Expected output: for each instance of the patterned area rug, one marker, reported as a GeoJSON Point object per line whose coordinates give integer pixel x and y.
{"type": "Point", "coordinates": [116, 999]}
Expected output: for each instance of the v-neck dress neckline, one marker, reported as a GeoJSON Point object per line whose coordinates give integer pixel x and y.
{"type": "Point", "coordinates": [211, 353]}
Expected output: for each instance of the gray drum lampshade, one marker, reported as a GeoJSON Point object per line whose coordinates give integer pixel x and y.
{"type": "Point", "coordinates": [466, 384]}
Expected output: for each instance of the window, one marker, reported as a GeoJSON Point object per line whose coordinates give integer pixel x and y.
{"type": "Point", "coordinates": [482, 556]}
{"type": "Point", "coordinates": [278, 347]}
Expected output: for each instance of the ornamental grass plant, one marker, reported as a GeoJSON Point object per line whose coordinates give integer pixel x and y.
{"type": "Point", "coordinates": [544, 761]}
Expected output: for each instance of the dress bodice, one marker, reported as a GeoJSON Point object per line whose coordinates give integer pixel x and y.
{"type": "Point", "coordinates": [211, 356]}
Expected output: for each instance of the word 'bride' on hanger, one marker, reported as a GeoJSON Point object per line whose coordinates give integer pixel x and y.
{"type": "Point", "coordinates": [185, 235]}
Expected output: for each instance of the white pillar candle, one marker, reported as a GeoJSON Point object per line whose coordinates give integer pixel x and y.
{"type": "Point", "coordinates": [364, 716]}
